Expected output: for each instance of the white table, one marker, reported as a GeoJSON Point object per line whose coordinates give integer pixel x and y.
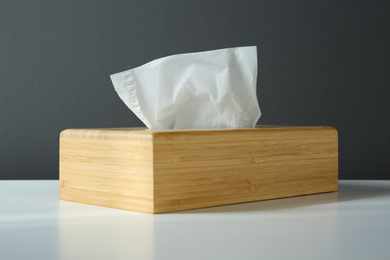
{"type": "Point", "coordinates": [353, 223]}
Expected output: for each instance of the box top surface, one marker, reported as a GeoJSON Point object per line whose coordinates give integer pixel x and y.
{"type": "Point", "coordinates": [143, 133]}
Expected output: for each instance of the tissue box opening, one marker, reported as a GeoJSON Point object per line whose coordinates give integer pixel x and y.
{"type": "Point", "coordinates": [156, 171]}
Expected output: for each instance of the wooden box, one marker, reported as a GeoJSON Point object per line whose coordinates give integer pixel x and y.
{"type": "Point", "coordinates": [158, 171]}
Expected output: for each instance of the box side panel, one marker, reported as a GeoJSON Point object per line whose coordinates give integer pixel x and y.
{"type": "Point", "coordinates": [107, 172]}
{"type": "Point", "coordinates": [201, 169]}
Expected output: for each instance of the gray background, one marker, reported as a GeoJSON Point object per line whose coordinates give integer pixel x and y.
{"type": "Point", "coordinates": [320, 63]}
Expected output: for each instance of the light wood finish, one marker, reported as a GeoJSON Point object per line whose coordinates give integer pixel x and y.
{"type": "Point", "coordinates": [169, 170]}
{"type": "Point", "coordinates": [107, 168]}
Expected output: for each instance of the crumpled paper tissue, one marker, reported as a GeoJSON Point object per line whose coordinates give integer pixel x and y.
{"type": "Point", "coordinates": [202, 90]}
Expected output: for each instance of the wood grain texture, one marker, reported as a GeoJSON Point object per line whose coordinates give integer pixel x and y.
{"type": "Point", "coordinates": [170, 170]}
{"type": "Point", "coordinates": [107, 168]}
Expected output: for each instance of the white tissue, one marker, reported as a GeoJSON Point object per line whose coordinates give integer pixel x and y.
{"type": "Point", "coordinates": [203, 90]}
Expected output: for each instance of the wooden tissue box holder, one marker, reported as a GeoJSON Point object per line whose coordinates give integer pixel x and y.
{"type": "Point", "coordinates": [156, 171]}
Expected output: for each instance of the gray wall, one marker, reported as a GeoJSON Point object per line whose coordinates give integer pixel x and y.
{"type": "Point", "coordinates": [320, 63]}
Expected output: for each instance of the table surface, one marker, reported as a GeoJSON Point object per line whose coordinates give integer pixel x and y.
{"type": "Point", "coordinates": [353, 223]}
